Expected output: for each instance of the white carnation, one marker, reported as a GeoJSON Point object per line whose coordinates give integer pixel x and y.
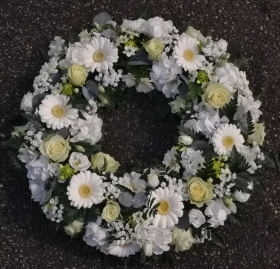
{"type": "Point", "coordinates": [196, 218]}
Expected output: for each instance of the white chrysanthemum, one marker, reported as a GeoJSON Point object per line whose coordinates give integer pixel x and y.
{"type": "Point", "coordinates": [226, 137]}
{"type": "Point", "coordinates": [145, 85]}
{"type": "Point", "coordinates": [186, 53]}
{"type": "Point", "coordinates": [98, 54]}
{"type": "Point", "coordinates": [55, 112]}
{"type": "Point", "coordinates": [123, 248]}
{"type": "Point", "coordinates": [85, 189]}
{"type": "Point", "coordinates": [169, 209]}
{"type": "Point", "coordinates": [133, 182]}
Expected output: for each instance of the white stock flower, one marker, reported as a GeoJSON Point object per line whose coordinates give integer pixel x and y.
{"type": "Point", "coordinates": [26, 102]}
{"type": "Point", "coordinates": [123, 248]}
{"type": "Point", "coordinates": [38, 169]}
{"type": "Point", "coordinates": [241, 196]}
{"type": "Point", "coordinates": [133, 182]}
{"type": "Point", "coordinates": [157, 27]}
{"type": "Point", "coordinates": [79, 161]}
{"type": "Point", "coordinates": [196, 218]}
{"type": "Point", "coordinates": [217, 211]}
{"type": "Point", "coordinates": [183, 240]}
{"type": "Point", "coordinates": [191, 161]}
{"type": "Point", "coordinates": [88, 129]}
{"type": "Point", "coordinates": [27, 155]}
{"type": "Point", "coordinates": [56, 47]}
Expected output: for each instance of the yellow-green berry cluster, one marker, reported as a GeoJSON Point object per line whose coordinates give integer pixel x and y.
{"type": "Point", "coordinates": [66, 171]}
{"type": "Point", "coordinates": [68, 89]}
{"type": "Point", "coordinates": [217, 165]}
{"type": "Point", "coordinates": [202, 77]}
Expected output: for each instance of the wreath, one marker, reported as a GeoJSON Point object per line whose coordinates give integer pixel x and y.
{"type": "Point", "coordinates": [204, 180]}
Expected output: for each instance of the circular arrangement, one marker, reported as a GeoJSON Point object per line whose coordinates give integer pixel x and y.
{"type": "Point", "coordinates": [205, 179]}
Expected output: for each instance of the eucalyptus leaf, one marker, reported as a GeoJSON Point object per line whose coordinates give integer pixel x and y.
{"type": "Point", "coordinates": [48, 196]}
{"type": "Point", "coordinates": [102, 18]}
{"type": "Point", "coordinates": [183, 89]}
{"type": "Point", "coordinates": [183, 28]}
{"type": "Point", "coordinates": [139, 200]}
{"type": "Point", "coordinates": [57, 77]}
{"type": "Point", "coordinates": [87, 94]}
{"type": "Point", "coordinates": [140, 58]}
{"type": "Point", "coordinates": [201, 145]}
{"type": "Point", "coordinates": [184, 221]}
{"type": "Point", "coordinates": [92, 88]}
{"type": "Point", "coordinates": [37, 99]}
{"type": "Point", "coordinates": [126, 199]}
{"type": "Point", "coordinates": [110, 33]}
{"type": "Point", "coordinates": [241, 180]}
{"type": "Point", "coordinates": [64, 132]}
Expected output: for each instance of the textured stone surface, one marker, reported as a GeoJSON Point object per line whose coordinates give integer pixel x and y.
{"type": "Point", "coordinates": [250, 27]}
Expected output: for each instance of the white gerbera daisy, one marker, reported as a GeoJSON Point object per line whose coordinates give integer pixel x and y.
{"type": "Point", "coordinates": [123, 248]}
{"type": "Point", "coordinates": [225, 138]}
{"type": "Point", "coordinates": [186, 53]}
{"type": "Point", "coordinates": [55, 112]}
{"type": "Point", "coordinates": [169, 209]}
{"type": "Point", "coordinates": [98, 54]}
{"type": "Point", "coordinates": [85, 189]}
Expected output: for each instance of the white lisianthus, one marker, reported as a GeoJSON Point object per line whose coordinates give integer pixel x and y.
{"type": "Point", "coordinates": [153, 180]}
{"type": "Point", "coordinates": [79, 161]}
{"type": "Point", "coordinates": [183, 240]}
{"type": "Point", "coordinates": [241, 196]}
{"type": "Point", "coordinates": [185, 139]}
{"type": "Point", "coordinates": [26, 102]}
{"type": "Point", "coordinates": [98, 162]}
{"type": "Point", "coordinates": [191, 32]}
{"type": "Point", "coordinates": [157, 27]}
{"type": "Point", "coordinates": [133, 182]}
{"type": "Point", "coordinates": [196, 218]}
{"type": "Point", "coordinates": [74, 228]}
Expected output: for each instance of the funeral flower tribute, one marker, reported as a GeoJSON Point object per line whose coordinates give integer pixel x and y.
{"type": "Point", "coordinates": [204, 180]}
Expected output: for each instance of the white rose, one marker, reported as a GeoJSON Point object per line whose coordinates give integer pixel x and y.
{"type": "Point", "coordinates": [79, 161]}
{"type": "Point", "coordinates": [185, 139]}
{"type": "Point", "coordinates": [183, 240]}
{"type": "Point", "coordinates": [98, 161]}
{"type": "Point", "coordinates": [157, 27]}
{"type": "Point", "coordinates": [26, 102]}
{"type": "Point", "coordinates": [111, 211]}
{"type": "Point", "coordinates": [136, 25]}
{"type": "Point", "coordinates": [222, 45]}
{"type": "Point", "coordinates": [191, 32]}
{"type": "Point", "coordinates": [153, 180]}
{"type": "Point", "coordinates": [196, 218]}
{"type": "Point", "coordinates": [241, 196]}
{"type": "Point", "coordinates": [148, 249]}
{"type": "Point", "coordinates": [74, 228]}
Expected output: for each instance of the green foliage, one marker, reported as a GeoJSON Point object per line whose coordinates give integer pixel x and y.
{"type": "Point", "coordinates": [17, 166]}
{"type": "Point", "coordinates": [237, 163]}
{"type": "Point", "coordinates": [90, 149]}
{"type": "Point", "coordinates": [13, 142]}
{"type": "Point", "coordinates": [207, 170]}
{"type": "Point", "coordinates": [230, 109]}
{"type": "Point", "coordinates": [34, 120]}
{"type": "Point", "coordinates": [242, 62]}
{"type": "Point", "coordinates": [233, 220]}
{"type": "Point", "coordinates": [72, 36]}
{"type": "Point", "coordinates": [250, 123]}
{"type": "Point", "coordinates": [215, 238]}
{"type": "Point", "coordinates": [183, 28]}
{"type": "Point", "coordinates": [146, 13]}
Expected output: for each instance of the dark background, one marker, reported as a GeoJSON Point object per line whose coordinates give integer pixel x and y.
{"type": "Point", "coordinates": [251, 27]}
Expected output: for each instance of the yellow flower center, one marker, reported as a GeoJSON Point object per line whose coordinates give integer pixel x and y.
{"type": "Point", "coordinates": [58, 111]}
{"type": "Point", "coordinates": [164, 207]}
{"type": "Point", "coordinates": [85, 190]}
{"type": "Point", "coordinates": [228, 141]}
{"type": "Point", "coordinates": [188, 55]}
{"type": "Point", "coordinates": [99, 56]}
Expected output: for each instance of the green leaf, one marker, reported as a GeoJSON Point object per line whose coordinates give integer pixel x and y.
{"type": "Point", "coordinates": [146, 13]}
{"type": "Point", "coordinates": [207, 171]}
{"type": "Point", "coordinates": [237, 163]}
{"type": "Point", "coordinates": [12, 142]}
{"type": "Point", "coordinates": [230, 109]}
{"type": "Point", "coordinates": [217, 239]}
{"type": "Point", "coordinates": [242, 62]}
{"type": "Point", "coordinates": [15, 163]}
{"type": "Point", "coordinates": [232, 220]}
{"type": "Point", "coordinates": [183, 28]}
{"type": "Point", "coordinates": [251, 127]}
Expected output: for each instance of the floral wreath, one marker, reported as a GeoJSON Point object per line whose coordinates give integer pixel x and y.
{"type": "Point", "coordinates": [203, 181]}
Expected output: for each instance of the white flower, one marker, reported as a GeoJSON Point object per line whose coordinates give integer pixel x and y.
{"type": "Point", "coordinates": [241, 196]}
{"type": "Point", "coordinates": [145, 85]}
{"type": "Point", "coordinates": [122, 248]}
{"type": "Point", "coordinates": [183, 240]}
{"type": "Point", "coordinates": [28, 156]}
{"type": "Point", "coordinates": [157, 27]}
{"type": "Point", "coordinates": [38, 192]}
{"type": "Point", "coordinates": [137, 25]}
{"type": "Point", "coordinates": [186, 53]}
{"type": "Point", "coordinates": [55, 112]}
{"type": "Point", "coordinates": [38, 169]}
{"type": "Point", "coordinates": [170, 160]}
{"type": "Point", "coordinates": [222, 45]}
{"type": "Point", "coordinates": [73, 228]}
{"type": "Point", "coordinates": [217, 211]}
{"type": "Point", "coordinates": [88, 129]}
{"type": "Point", "coordinates": [133, 182]}
{"type": "Point", "coordinates": [191, 161]}
{"type": "Point", "coordinates": [79, 161]}
{"type": "Point", "coordinates": [250, 156]}
{"type": "Point", "coordinates": [98, 54]}
{"type": "Point", "coordinates": [191, 32]}
{"type": "Point", "coordinates": [84, 35]}
{"type": "Point", "coordinates": [250, 185]}
{"type": "Point", "coordinates": [170, 207]}
{"type": "Point", "coordinates": [185, 139]}
{"type": "Point", "coordinates": [225, 138]}
{"type": "Point", "coordinates": [56, 47]}
{"type": "Point", "coordinates": [85, 189]}
{"type": "Point", "coordinates": [26, 102]}
{"type": "Point", "coordinates": [196, 218]}
{"type": "Point", "coordinates": [154, 240]}
{"type": "Point", "coordinates": [249, 104]}
{"type": "Point", "coordinates": [191, 125]}
{"type": "Point", "coordinates": [153, 180]}
{"type": "Point", "coordinates": [177, 105]}
{"type": "Point", "coordinates": [129, 80]}
{"type": "Point", "coordinates": [165, 76]}
{"type": "Point", "coordinates": [95, 235]}
{"type": "Point", "coordinates": [138, 217]}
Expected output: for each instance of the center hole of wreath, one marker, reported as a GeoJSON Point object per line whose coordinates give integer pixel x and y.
{"type": "Point", "coordinates": [99, 56]}
{"type": "Point", "coordinates": [137, 131]}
